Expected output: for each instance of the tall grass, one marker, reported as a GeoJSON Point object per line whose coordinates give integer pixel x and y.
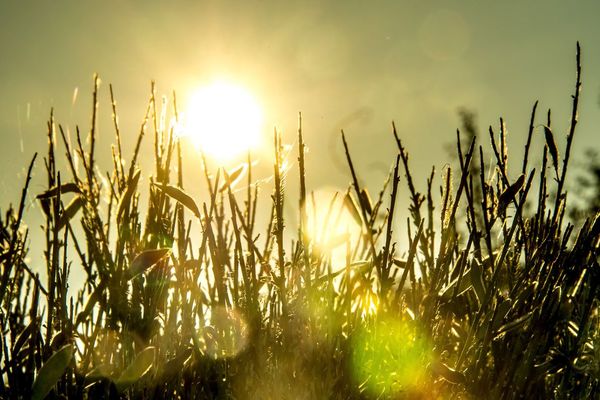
{"type": "Point", "coordinates": [496, 296]}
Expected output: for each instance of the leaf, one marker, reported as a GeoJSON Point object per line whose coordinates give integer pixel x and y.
{"type": "Point", "coordinates": [97, 373]}
{"type": "Point", "coordinates": [89, 306]}
{"type": "Point", "coordinates": [336, 241]}
{"type": "Point", "coordinates": [145, 260]}
{"type": "Point", "coordinates": [510, 192]}
{"type": "Point", "coordinates": [327, 277]}
{"type": "Point", "coordinates": [502, 308]}
{"type": "Point", "coordinates": [45, 204]}
{"type": "Point", "coordinates": [352, 208]}
{"type": "Point", "coordinates": [465, 284]}
{"type": "Point", "coordinates": [69, 212]}
{"type": "Point", "coordinates": [125, 199]}
{"type": "Point", "coordinates": [59, 339]}
{"type": "Point", "coordinates": [232, 177]}
{"type": "Point", "coordinates": [476, 275]}
{"type": "Point", "coordinates": [359, 267]}
{"type": "Point", "coordinates": [138, 367]}
{"type": "Point", "coordinates": [181, 196]}
{"type": "Point", "coordinates": [52, 370]}
{"type": "Point", "coordinates": [449, 374]}
{"type": "Point", "coordinates": [551, 146]}
{"type": "Point", "coordinates": [24, 335]}
{"type": "Point", "coordinates": [70, 187]}
{"type": "Point", "coordinates": [573, 328]}
{"type": "Point", "coordinates": [549, 366]}
{"type": "Point", "coordinates": [366, 202]}
{"type": "Point", "coordinates": [514, 325]}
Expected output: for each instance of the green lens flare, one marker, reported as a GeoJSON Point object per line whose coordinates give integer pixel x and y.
{"type": "Point", "coordinates": [389, 356]}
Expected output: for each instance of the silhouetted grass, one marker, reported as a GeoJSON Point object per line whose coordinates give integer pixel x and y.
{"type": "Point", "coordinates": [496, 297]}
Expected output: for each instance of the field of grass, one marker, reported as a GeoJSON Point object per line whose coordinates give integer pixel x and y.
{"type": "Point", "coordinates": [496, 297]}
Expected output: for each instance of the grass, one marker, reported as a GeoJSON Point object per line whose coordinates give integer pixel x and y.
{"type": "Point", "coordinates": [496, 296]}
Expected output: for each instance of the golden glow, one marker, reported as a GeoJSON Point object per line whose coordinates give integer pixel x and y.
{"type": "Point", "coordinates": [330, 225]}
{"type": "Point", "coordinates": [367, 304]}
{"type": "Point", "coordinates": [223, 120]}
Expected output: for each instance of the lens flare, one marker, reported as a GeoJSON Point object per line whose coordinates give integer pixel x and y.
{"type": "Point", "coordinates": [227, 335]}
{"type": "Point", "coordinates": [390, 356]}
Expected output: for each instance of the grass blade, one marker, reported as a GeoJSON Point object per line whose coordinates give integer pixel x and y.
{"type": "Point", "coordinates": [52, 370]}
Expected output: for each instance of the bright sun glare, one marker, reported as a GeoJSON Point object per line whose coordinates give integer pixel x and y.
{"type": "Point", "coordinates": [223, 120]}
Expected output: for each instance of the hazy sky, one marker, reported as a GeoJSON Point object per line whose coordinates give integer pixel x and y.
{"type": "Point", "coordinates": [356, 65]}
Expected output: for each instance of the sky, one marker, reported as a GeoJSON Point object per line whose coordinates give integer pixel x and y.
{"type": "Point", "coordinates": [352, 65]}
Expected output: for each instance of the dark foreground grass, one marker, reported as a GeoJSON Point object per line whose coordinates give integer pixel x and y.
{"type": "Point", "coordinates": [496, 297]}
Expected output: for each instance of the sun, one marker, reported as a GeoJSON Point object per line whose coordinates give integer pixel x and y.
{"type": "Point", "coordinates": [223, 120]}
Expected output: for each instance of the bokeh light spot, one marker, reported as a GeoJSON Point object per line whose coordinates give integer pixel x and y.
{"type": "Point", "coordinates": [227, 334]}
{"type": "Point", "coordinates": [390, 356]}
